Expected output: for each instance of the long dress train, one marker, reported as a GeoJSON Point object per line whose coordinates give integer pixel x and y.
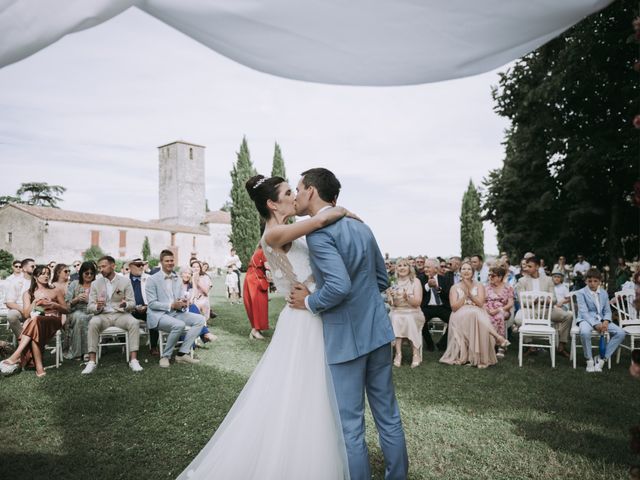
{"type": "Point", "coordinates": [284, 424]}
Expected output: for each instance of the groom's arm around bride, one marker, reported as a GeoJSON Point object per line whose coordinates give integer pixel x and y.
{"type": "Point", "coordinates": [350, 273]}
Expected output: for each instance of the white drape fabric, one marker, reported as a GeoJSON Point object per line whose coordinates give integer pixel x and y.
{"type": "Point", "coordinates": [349, 42]}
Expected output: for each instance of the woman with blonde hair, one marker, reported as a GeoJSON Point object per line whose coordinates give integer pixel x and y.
{"type": "Point", "coordinates": [407, 319]}
{"type": "Point", "coordinates": [472, 338]}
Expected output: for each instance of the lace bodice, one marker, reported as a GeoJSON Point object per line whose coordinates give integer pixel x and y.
{"type": "Point", "coordinates": [291, 267]}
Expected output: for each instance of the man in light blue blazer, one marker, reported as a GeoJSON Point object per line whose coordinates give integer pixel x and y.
{"type": "Point", "coordinates": [350, 273]}
{"type": "Point", "coordinates": [167, 311]}
{"type": "Point", "coordinates": [594, 313]}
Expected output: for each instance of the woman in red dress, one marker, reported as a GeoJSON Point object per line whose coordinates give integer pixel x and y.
{"type": "Point", "coordinates": [256, 294]}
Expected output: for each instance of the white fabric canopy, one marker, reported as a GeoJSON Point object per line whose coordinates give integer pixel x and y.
{"type": "Point", "coordinates": [351, 42]}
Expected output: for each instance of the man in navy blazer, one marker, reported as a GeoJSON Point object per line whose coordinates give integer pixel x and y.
{"type": "Point", "coordinates": [594, 313]}
{"type": "Point", "coordinates": [350, 273]}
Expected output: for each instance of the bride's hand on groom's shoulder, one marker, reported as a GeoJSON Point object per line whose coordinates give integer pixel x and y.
{"type": "Point", "coordinates": [349, 214]}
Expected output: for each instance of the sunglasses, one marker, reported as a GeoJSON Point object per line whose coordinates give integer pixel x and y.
{"type": "Point", "coordinates": [17, 266]}
{"type": "Point", "coordinates": [67, 271]}
{"type": "Point", "coordinates": [137, 264]}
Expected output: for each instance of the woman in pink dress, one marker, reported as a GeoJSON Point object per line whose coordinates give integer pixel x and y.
{"type": "Point", "coordinates": [499, 301]}
{"type": "Point", "coordinates": [472, 338]}
{"type": "Point", "coordinates": [201, 285]}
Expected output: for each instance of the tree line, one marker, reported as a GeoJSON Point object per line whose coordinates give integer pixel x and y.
{"type": "Point", "coordinates": [571, 151]}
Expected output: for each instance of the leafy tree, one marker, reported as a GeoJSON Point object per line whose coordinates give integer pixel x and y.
{"type": "Point", "coordinates": [471, 231]}
{"type": "Point", "coordinates": [4, 199]}
{"type": "Point", "coordinates": [278, 169]}
{"type": "Point", "coordinates": [41, 194]}
{"type": "Point", "coordinates": [245, 221]}
{"type": "Point", "coordinates": [571, 152]}
{"type": "Point", "coordinates": [92, 254]}
{"type": "Point", "coordinates": [146, 249]}
{"type": "Point", "coordinates": [6, 260]}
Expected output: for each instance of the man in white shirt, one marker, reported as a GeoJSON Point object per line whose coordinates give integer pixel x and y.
{"type": "Point", "coordinates": [111, 299]}
{"type": "Point", "coordinates": [581, 266]}
{"type": "Point", "coordinates": [561, 290]}
{"type": "Point", "coordinates": [480, 269]}
{"type": "Point", "coordinates": [533, 282]}
{"type": "Point", "coordinates": [15, 291]}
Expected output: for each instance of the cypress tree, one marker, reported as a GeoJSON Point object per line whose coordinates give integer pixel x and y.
{"type": "Point", "coordinates": [471, 231]}
{"type": "Point", "coordinates": [278, 170]}
{"type": "Point", "coordinates": [146, 249]}
{"type": "Point", "coordinates": [245, 221]}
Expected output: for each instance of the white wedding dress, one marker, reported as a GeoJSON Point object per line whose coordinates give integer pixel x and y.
{"type": "Point", "coordinates": [285, 423]}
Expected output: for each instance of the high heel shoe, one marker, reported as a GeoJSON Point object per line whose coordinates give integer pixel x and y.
{"type": "Point", "coordinates": [256, 335]}
{"type": "Point", "coordinates": [505, 344]}
{"type": "Point", "coordinates": [416, 361]}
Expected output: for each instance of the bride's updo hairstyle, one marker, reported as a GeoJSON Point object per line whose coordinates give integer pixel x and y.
{"type": "Point", "coordinates": [262, 189]}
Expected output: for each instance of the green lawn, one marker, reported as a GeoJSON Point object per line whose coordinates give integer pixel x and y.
{"type": "Point", "coordinates": [503, 422]}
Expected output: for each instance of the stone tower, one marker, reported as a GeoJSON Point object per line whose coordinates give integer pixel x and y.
{"type": "Point", "coordinates": [182, 192]}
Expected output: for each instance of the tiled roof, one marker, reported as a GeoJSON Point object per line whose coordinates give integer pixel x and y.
{"type": "Point", "coordinates": [217, 217]}
{"type": "Point", "coordinates": [59, 215]}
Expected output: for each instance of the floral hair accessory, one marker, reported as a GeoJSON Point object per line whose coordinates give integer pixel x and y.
{"type": "Point", "coordinates": [259, 182]}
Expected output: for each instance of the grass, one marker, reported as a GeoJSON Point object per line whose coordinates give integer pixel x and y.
{"type": "Point", "coordinates": [505, 422]}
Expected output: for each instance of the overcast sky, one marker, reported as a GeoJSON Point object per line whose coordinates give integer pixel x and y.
{"type": "Point", "coordinates": [89, 111]}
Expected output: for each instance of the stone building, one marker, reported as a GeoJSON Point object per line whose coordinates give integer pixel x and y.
{"type": "Point", "coordinates": [184, 226]}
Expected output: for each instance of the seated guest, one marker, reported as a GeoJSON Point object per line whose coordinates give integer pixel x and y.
{"type": "Point", "coordinates": [453, 275]}
{"type": "Point", "coordinates": [168, 312]}
{"type": "Point", "coordinates": [60, 278]}
{"type": "Point", "coordinates": [189, 293]}
{"type": "Point", "coordinates": [498, 302]}
{"type": "Point", "coordinates": [594, 313]}
{"type": "Point", "coordinates": [405, 297]}
{"type": "Point", "coordinates": [201, 287]}
{"type": "Point", "coordinates": [75, 275]}
{"type": "Point", "coordinates": [622, 274]}
{"type": "Point", "coordinates": [111, 301]}
{"type": "Point", "coordinates": [534, 282]}
{"type": "Point", "coordinates": [435, 301]}
{"type": "Point", "coordinates": [561, 267]}
{"type": "Point", "coordinates": [480, 269]}
{"type": "Point", "coordinates": [419, 268]}
{"type": "Point", "coordinates": [580, 269]}
{"type": "Point", "coordinates": [472, 338]}
{"type": "Point", "coordinates": [444, 267]}
{"type": "Point", "coordinates": [561, 290]}
{"type": "Point", "coordinates": [138, 279]}
{"type": "Point", "coordinates": [43, 309]}
{"type": "Point", "coordinates": [15, 294]}
{"type": "Point", "coordinates": [78, 319]}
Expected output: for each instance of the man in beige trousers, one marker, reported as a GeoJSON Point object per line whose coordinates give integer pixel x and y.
{"type": "Point", "coordinates": [111, 299]}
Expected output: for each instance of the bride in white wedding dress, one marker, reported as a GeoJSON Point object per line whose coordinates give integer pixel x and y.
{"type": "Point", "coordinates": [284, 424]}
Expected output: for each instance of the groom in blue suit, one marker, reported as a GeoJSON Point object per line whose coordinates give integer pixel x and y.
{"type": "Point", "coordinates": [350, 274]}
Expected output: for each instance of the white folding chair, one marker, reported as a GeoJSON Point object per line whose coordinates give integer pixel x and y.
{"type": "Point", "coordinates": [536, 322]}
{"type": "Point", "coordinates": [162, 340]}
{"type": "Point", "coordinates": [575, 331]}
{"type": "Point", "coordinates": [113, 334]}
{"type": "Point", "coordinates": [629, 319]}
{"type": "Point", "coordinates": [56, 350]}
{"type": "Point", "coordinates": [436, 325]}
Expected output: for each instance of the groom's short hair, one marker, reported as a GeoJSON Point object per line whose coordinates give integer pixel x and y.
{"type": "Point", "coordinates": [324, 181]}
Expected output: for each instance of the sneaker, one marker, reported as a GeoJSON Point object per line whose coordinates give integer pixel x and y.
{"type": "Point", "coordinates": [164, 362]}
{"type": "Point", "coordinates": [90, 368]}
{"type": "Point", "coordinates": [186, 359]}
{"type": "Point", "coordinates": [8, 368]}
{"type": "Point", "coordinates": [597, 366]}
{"type": "Point", "coordinates": [135, 365]}
{"type": "Point", "coordinates": [590, 367]}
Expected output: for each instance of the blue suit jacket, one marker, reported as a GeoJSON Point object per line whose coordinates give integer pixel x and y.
{"type": "Point", "coordinates": [350, 274]}
{"type": "Point", "coordinates": [158, 300]}
{"type": "Point", "coordinates": [588, 310]}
